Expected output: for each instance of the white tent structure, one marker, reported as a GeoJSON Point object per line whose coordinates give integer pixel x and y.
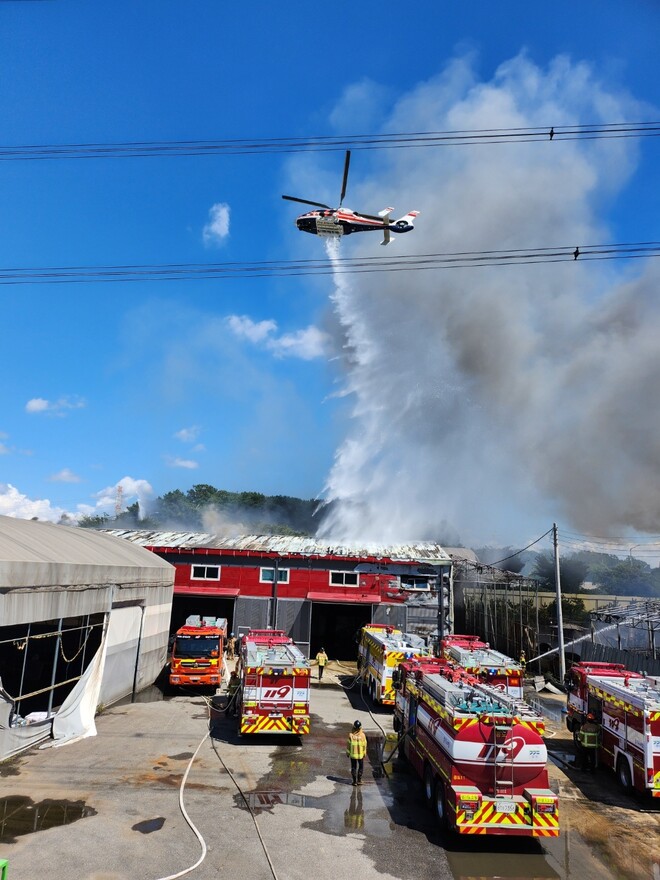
{"type": "Point", "coordinates": [84, 622]}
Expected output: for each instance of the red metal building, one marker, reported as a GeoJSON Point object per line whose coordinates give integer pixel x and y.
{"type": "Point", "coordinates": [319, 594]}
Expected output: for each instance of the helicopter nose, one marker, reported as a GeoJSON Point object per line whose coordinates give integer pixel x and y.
{"type": "Point", "coordinates": [305, 224]}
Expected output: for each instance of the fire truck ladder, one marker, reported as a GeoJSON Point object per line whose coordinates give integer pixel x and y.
{"type": "Point", "coordinates": [503, 770]}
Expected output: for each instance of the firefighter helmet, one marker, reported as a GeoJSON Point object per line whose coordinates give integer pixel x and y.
{"type": "Point", "coordinates": [357, 725]}
{"type": "Point", "coordinates": [591, 716]}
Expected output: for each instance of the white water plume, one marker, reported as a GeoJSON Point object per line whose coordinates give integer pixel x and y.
{"type": "Point", "coordinates": [488, 402]}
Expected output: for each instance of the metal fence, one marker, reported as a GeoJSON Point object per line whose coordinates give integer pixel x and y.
{"type": "Point", "coordinates": [636, 661]}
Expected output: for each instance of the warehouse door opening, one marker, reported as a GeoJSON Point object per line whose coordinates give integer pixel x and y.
{"type": "Point", "coordinates": [334, 628]}
{"type": "Point", "coordinates": [41, 662]}
{"type": "Point", "coordinates": [204, 606]}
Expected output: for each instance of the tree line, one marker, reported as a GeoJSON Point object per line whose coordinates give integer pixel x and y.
{"type": "Point", "coordinates": [203, 506]}
{"type": "Point", "coordinates": [602, 572]}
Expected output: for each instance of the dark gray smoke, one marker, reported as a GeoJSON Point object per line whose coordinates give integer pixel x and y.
{"type": "Point", "coordinates": [496, 400]}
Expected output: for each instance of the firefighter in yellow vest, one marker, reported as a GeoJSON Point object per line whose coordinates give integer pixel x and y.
{"type": "Point", "coordinates": [589, 739]}
{"type": "Point", "coordinates": [356, 749]}
{"type": "Point", "coordinates": [321, 659]}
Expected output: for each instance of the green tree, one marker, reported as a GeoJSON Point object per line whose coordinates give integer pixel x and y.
{"type": "Point", "coordinates": [572, 611]}
{"type": "Point", "coordinates": [93, 521]}
{"type": "Point", "coordinates": [251, 500]}
{"type": "Point", "coordinates": [572, 572]}
{"type": "Point", "coordinates": [175, 507]}
{"type": "Point", "coordinates": [202, 495]}
{"type": "Point", "coordinates": [628, 577]}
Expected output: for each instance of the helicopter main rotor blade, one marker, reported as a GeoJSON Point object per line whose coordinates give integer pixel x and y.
{"type": "Point", "coordinates": [307, 202]}
{"type": "Point", "coordinates": [345, 181]}
{"type": "Point", "coordinates": [372, 217]}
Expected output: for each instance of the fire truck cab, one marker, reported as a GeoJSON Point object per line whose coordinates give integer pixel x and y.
{"type": "Point", "coordinates": [197, 657]}
{"type": "Point", "coordinates": [273, 695]}
{"type": "Point", "coordinates": [479, 752]}
{"type": "Point", "coordinates": [487, 664]}
{"type": "Point", "coordinates": [381, 648]}
{"type": "Point", "coordinates": [626, 704]}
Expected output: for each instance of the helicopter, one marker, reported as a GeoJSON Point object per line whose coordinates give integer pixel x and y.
{"type": "Point", "coordinates": [334, 222]}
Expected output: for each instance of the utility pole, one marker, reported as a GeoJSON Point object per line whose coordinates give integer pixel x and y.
{"type": "Point", "coordinates": [560, 617]}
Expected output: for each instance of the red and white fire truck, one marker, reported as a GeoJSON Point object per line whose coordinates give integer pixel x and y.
{"type": "Point", "coordinates": [627, 707]}
{"type": "Point", "coordinates": [479, 751]}
{"type": "Point", "coordinates": [197, 658]}
{"type": "Point", "coordinates": [381, 648]}
{"type": "Point", "coordinates": [273, 695]}
{"type": "Point", "coordinates": [487, 664]}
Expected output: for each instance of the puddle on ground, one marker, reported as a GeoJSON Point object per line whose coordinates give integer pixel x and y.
{"type": "Point", "coordinates": [149, 825]}
{"type": "Point", "coordinates": [354, 809]}
{"type": "Point", "coordinates": [20, 815]}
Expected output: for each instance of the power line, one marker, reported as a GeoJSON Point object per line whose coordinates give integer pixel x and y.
{"type": "Point", "coordinates": [340, 266]}
{"type": "Point", "coordinates": [518, 552]}
{"type": "Point", "coordinates": [242, 146]}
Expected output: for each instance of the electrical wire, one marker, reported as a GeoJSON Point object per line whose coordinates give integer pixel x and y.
{"type": "Point", "coordinates": [517, 553]}
{"type": "Point", "coordinates": [642, 544]}
{"type": "Point", "coordinates": [394, 140]}
{"type": "Point", "coordinates": [341, 266]}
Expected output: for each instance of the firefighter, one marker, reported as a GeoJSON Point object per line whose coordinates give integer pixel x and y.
{"type": "Point", "coordinates": [356, 749]}
{"type": "Point", "coordinates": [321, 659]}
{"type": "Point", "coordinates": [589, 739]}
{"type": "Point", "coordinates": [231, 647]}
{"type": "Point", "coordinates": [232, 692]}
{"type": "Point", "coordinates": [523, 662]}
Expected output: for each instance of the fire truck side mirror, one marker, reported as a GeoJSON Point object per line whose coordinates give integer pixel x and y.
{"type": "Point", "coordinates": [396, 679]}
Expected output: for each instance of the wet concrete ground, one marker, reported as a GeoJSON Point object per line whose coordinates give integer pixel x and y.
{"type": "Point", "coordinates": [106, 808]}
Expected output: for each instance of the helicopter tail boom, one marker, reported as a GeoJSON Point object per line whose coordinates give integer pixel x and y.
{"type": "Point", "coordinates": [407, 220]}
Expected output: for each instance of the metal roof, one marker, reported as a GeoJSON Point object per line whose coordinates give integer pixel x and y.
{"type": "Point", "coordinates": [42, 554]}
{"type": "Point", "coordinates": [284, 545]}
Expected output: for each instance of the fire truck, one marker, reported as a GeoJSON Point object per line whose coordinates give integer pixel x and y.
{"type": "Point", "coordinates": [197, 657]}
{"type": "Point", "coordinates": [627, 706]}
{"type": "Point", "coordinates": [273, 695]}
{"type": "Point", "coordinates": [488, 665]}
{"type": "Point", "coordinates": [380, 650]}
{"type": "Point", "coordinates": [479, 752]}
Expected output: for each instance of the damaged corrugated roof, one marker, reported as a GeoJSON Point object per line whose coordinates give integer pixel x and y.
{"type": "Point", "coordinates": [284, 545]}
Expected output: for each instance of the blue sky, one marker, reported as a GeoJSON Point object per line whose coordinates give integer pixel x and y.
{"type": "Point", "coordinates": [254, 384]}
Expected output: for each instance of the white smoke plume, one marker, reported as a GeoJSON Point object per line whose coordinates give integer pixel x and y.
{"type": "Point", "coordinates": [488, 402]}
{"type": "Point", "coordinates": [131, 490]}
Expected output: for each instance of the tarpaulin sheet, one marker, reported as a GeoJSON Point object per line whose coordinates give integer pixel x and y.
{"type": "Point", "coordinates": [74, 719]}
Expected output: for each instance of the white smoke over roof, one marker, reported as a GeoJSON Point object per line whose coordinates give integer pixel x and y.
{"type": "Point", "coordinates": [131, 490]}
{"type": "Point", "coordinates": [489, 402]}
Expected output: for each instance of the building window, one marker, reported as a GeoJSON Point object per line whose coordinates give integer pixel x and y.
{"type": "Point", "coordinates": [415, 583]}
{"type": "Point", "coordinates": [267, 575]}
{"type": "Point", "coordinates": [343, 579]}
{"type": "Point", "coordinates": [206, 572]}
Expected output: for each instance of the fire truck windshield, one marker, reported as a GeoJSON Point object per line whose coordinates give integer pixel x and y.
{"type": "Point", "coordinates": [195, 646]}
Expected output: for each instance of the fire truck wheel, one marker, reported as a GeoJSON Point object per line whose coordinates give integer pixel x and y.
{"type": "Point", "coordinates": [429, 786]}
{"type": "Point", "coordinates": [623, 774]}
{"type": "Point", "coordinates": [440, 804]}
